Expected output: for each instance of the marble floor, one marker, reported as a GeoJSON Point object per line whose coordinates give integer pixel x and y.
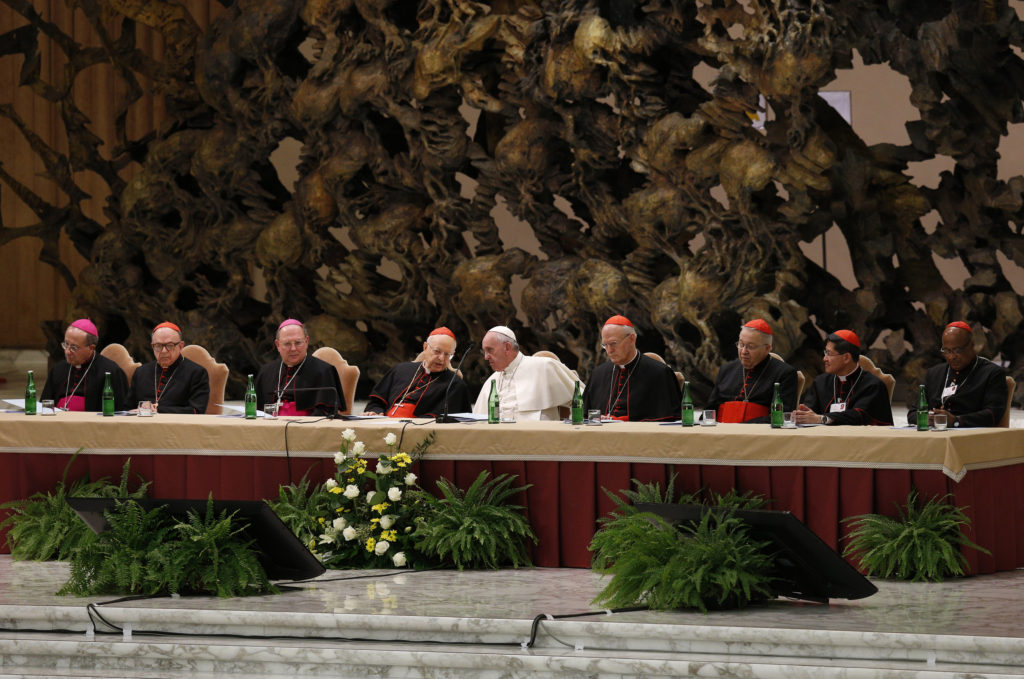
{"type": "Point", "coordinates": [482, 620]}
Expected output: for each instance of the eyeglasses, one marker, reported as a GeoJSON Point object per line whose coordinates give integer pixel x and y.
{"type": "Point", "coordinates": [298, 344]}
{"type": "Point", "coordinates": [169, 346]}
{"type": "Point", "coordinates": [833, 354]}
{"type": "Point", "coordinates": [611, 345]}
{"type": "Point", "coordinates": [70, 347]}
{"type": "Point", "coordinates": [440, 352]}
{"type": "Point", "coordinates": [957, 351]}
{"type": "Point", "coordinates": [749, 347]}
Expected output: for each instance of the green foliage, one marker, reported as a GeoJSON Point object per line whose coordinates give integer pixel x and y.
{"type": "Point", "coordinates": [298, 506]}
{"type": "Point", "coordinates": [477, 528]}
{"type": "Point", "coordinates": [713, 564]}
{"type": "Point", "coordinates": [150, 553]}
{"type": "Point", "coordinates": [211, 554]}
{"type": "Point", "coordinates": [44, 527]}
{"type": "Point", "coordinates": [651, 493]}
{"type": "Point", "coordinates": [923, 544]}
{"type": "Point", "coordinates": [368, 517]}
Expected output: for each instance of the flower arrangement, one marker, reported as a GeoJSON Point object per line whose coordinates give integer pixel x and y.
{"type": "Point", "coordinates": [369, 517]}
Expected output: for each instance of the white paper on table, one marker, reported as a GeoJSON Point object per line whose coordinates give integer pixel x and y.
{"type": "Point", "coordinates": [18, 403]}
{"type": "Point", "coordinates": [237, 411]}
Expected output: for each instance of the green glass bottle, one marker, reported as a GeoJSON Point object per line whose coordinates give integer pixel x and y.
{"type": "Point", "coordinates": [30, 395]}
{"type": "Point", "coordinates": [922, 409]}
{"type": "Point", "coordinates": [108, 396]}
{"type": "Point", "coordinates": [687, 414]}
{"type": "Point", "coordinates": [776, 408]}
{"type": "Point", "coordinates": [493, 404]}
{"type": "Point", "coordinates": [577, 405]}
{"type": "Point", "coordinates": [250, 401]}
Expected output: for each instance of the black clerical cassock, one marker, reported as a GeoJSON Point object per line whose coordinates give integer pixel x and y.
{"type": "Point", "coordinates": [81, 388]}
{"type": "Point", "coordinates": [408, 390]}
{"type": "Point", "coordinates": [976, 395]}
{"type": "Point", "coordinates": [181, 387]}
{"type": "Point", "coordinates": [311, 387]}
{"type": "Point", "coordinates": [753, 389]}
{"type": "Point", "coordinates": [859, 398]}
{"type": "Point", "coordinates": [642, 390]}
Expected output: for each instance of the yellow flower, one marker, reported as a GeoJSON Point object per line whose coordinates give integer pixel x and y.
{"type": "Point", "coordinates": [320, 519]}
{"type": "Point", "coordinates": [380, 508]}
{"type": "Point", "coordinates": [374, 520]}
{"type": "Point", "coordinates": [339, 510]}
{"type": "Point", "coordinates": [389, 535]}
{"type": "Point", "coordinates": [336, 490]}
{"type": "Point", "coordinates": [370, 543]}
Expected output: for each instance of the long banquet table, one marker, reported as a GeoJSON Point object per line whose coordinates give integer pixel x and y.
{"type": "Point", "coordinates": [821, 474]}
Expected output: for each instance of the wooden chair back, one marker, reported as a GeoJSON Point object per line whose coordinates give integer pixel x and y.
{"type": "Point", "coordinates": [867, 365]}
{"type": "Point", "coordinates": [119, 355]}
{"type": "Point", "coordinates": [348, 374]}
{"type": "Point", "coordinates": [801, 381]}
{"type": "Point", "coordinates": [656, 357]}
{"type": "Point", "coordinates": [217, 372]}
{"type": "Point", "coordinates": [1011, 385]}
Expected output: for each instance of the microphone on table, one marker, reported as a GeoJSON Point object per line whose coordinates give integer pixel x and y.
{"type": "Point", "coordinates": [444, 417]}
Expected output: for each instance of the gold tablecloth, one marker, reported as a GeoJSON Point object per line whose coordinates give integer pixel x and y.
{"type": "Point", "coordinates": [955, 452]}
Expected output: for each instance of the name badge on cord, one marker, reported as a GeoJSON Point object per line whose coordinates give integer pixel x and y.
{"type": "Point", "coordinates": [948, 391]}
{"type": "Point", "coordinates": [837, 408]}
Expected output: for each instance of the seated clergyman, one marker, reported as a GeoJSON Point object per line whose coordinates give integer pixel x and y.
{"type": "Point", "coordinates": [534, 385]}
{"type": "Point", "coordinates": [300, 383]}
{"type": "Point", "coordinates": [968, 389]}
{"type": "Point", "coordinates": [419, 388]}
{"type": "Point", "coordinates": [76, 383]}
{"type": "Point", "coordinates": [172, 383]}
{"type": "Point", "coordinates": [844, 393]}
{"type": "Point", "coordinates": [744, 387]}
{"type": "Point", "coordinates": [630, 386]}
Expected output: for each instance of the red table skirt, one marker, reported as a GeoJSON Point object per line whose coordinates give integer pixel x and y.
{"type": "Point", "coordinates": [566, 498]}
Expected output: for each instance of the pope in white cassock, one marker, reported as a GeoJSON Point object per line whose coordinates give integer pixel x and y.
{"type": "Point", "coordinates": [536, 385]}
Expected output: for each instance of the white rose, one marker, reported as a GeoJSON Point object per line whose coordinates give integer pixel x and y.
{"type": "Point", "coordinates": [351, 491]}
{"type": "Point", "coordinates": [394, 494]}
{"type": "Point", "coordinates": [398, 559]}
{"type": "Point", "coordinates": [387, 521]}
{"type": "Point", "coordinates": [339, 457]}
{"type": "Point", "coordinates": [369, 496]}
{"type": "Point", "coordinates": [358, 448]}
{"type": "Point", "coordinates": [349, 435]}
{"type": "Point", "coordinates": [340, 523]}
{"type": "Point", "coordinates": [330, 483]}
{"type": "Point", "coordinates": [383, 468]}
{"type": "Point", "coordinates": [410, 479]}
{"type": "Point", "coordinates": [381, 547]}
{"type": "Point", "coordinates": [390, 439]}
{"type": "Point", "coordinates": [326, 539]}
{"type": "Point", "coordinates": [349, 533]}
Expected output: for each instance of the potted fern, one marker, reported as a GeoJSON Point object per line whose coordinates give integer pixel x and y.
{"type": "Point", "coordinates": [923, 543]}
{"type": "Point", "coordinates": [476, 528]}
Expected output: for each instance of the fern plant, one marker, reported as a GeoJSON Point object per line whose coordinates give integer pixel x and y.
{"type": "Point", "coordinates": [43, 527]}
{"type": "Point", "coordinates": [923, 544]}
{"type": "Point", "coordinates": [299, 506]}
{"type": "Point", "coordinates": [652, 493]}
{"type": "Point", "coordinates": [713, 564]}
{"type": "Point", "coordinates": [148, 552]}
{"type": "Point", "coordinates": [209, 554]}
{"type": "Point", "coordinates": [477, 528]}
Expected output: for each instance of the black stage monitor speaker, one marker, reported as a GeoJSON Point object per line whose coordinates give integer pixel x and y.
{"type": "Point", "coordinates": [805, 567]}
{"type": "Point", "coordinates": [282, 555]}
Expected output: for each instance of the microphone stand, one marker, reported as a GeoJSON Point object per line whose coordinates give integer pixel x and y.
{"type": "Point", "coordinates": [444, 417]}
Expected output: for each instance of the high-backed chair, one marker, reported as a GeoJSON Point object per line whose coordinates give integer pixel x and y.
{"type": "Point", "coordinates": [659, 359]}
{"type": "Point", "coordinates": [867, 365]}
{"type": "Point", "coordinates": [801, 381]}
{"type": "Point", "coordinates": [348, 374]}
{"type": "Point", "coordinates": [218, 373]}
{"type": "Point", "coordinates": [119, 355]}
{"type": "Point", "coordinates": [1011, 385]}
{"type": "Point", "coordinates": [563, 412]}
